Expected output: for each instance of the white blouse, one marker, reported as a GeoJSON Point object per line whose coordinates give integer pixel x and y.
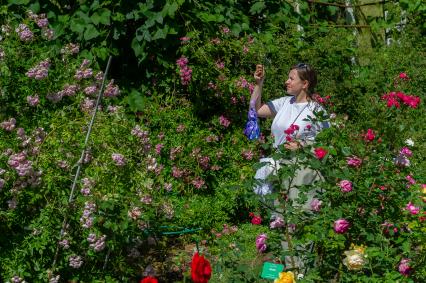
{"type": "Point", "coordinates": [288, 112]}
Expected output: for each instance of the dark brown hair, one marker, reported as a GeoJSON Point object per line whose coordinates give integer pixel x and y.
{"type": "Point", "coordinates": [307, 73]}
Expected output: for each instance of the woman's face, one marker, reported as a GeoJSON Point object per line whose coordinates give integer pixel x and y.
{"type": "Point", "coordinates": [294, 84]}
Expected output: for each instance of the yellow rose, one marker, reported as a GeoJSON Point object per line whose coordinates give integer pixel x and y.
{"type": "Point", "coordinates": [285, 277]}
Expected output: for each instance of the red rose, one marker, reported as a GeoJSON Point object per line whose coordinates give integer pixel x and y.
{"type": "Point", "coordinates": [201, 270]}
{"type": "Point", "coordinates": [256, 220]}
{"type": "Point", "coordinates": [320, 152]}
{"type": "Point", "coordinates": [149, 279]}
{"type": "Point", "coordinates": [369, 136]}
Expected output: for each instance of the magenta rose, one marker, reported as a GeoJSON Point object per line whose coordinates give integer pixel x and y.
{"type": "Point", "coordinates": [261, 242]}
{"type": "Point", "coordinates": [345, 186]}
{"type": "Point", "coordinates": [341, 226]}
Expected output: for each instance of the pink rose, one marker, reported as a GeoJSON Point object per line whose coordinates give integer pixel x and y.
{"type": "Point", "coordinates": [406, 152]}
{"type": "Point", "coordinates": [412, 209]}
{"type": "Point", "coordinates": [354, 161]}
{"type": "Point", "coordinates": [316, 205]}
{"type": "Point", "coordinates": [261, 242]}
{"type": "Point", "coordinates": [345, 186]}
{"type": "Point", "coordinates": [404, 267]}
{"type": "Point", "coordinates": [341, 226]}
{"type": "Point", "coordinates": [320, 152]}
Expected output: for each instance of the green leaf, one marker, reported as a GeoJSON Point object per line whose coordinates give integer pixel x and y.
{"type": "Point", "coordinates": [18, 2]}
{"type": "Point", "coordinates": [346, 151]}
{"type": "Point", "coordinates": [91, 32]}
{"type": "Point", "coordinates": [139, 49]}
{"type": "Point", "coordinates": [77, 25]}
{"type": "Point", "coordinates": [160, 33]}
{"type": "Point", "coordinates": [101, 52]}
{"type": "Point", "coordinates": [159, 18]}
{"type": "Point", "coordinates": [101, 16]}
{"type": "Point", "coordinates": [257, 7]}
{"type": "Point", "coordinates": [142, 34]}
{"type": "Point", "coordinates": [105, 16]}
{"type": "Point", "coordinates": [136, 101]}
{"type": "Point", "coordinates": [236, 29]}
{"type": "Point", "coordinates": [35, 7]}
{"type": "Point", "coordinates": [171, 11]}
{"type": "Point", "coordinates": [83, 16]}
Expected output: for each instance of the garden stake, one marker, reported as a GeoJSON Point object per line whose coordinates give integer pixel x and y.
{"type": "Point", "coordinates": [80, 161]}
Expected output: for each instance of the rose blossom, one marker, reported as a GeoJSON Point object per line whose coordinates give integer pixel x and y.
{"type": "Point", "coordinates": [369, 136]}
{"type": "Point", "coordinates": [346, 186]}
{"type": "Point", "coordinates": [403, 76]}
{"type": "Point", "coordinates": [354, 161]}
{"type": "Point", "coordinates": [256, 220]}
{"type": "Point", "coordinates": [404, 267]}
{"type": "Point", "coordinates": [224, 121]}
{"type": "Point", "coordinates": [33, 100]}
{"type": "Point", "coordinates": [406, 151]}
{"type": "Point", "coordinates": [412, 209]}
{"type": "Point", "coordinates": [261, 242]}
{"type": "Point", "coordinates": [341, 226]}
{"type": "Point", "coordinates": [320, 153]}
{"type": "Point", "coordinates": [316, 205]}
{"type": "Point", "coordinates": [278, 222]}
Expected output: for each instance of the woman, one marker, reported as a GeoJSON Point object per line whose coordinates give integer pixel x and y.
{"type": "Point", "coordinates": [293, 129]}
{"type": "Point", "coordinates": [290, 126]}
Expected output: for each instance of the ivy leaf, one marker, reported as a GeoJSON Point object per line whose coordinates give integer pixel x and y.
{"type": "Point", "coordinates": [91, 32]}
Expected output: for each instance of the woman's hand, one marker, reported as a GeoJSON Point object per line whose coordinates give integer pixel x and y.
{"type": "Point", "coordinates": [259, 74]}
{"type": "Point", "coordinates": [293, 145]}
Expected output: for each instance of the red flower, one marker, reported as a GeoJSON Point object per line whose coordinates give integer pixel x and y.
{"type": "Point", "coordinates": [320, 152]}
{"type": "Point", "coordinates": [369, 136]}
{"type": "Point", "coordinates": [404, 76]}
{"type": "Point", "coordinates": [201, 270]}
{"type": "Point", "coordinates": [256, 220]}
{"type": "Point", "coordinates": [149, 279]}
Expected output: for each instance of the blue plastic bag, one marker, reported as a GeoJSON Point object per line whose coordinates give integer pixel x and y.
{"type": "Point", "coordinates": [252, 129]}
